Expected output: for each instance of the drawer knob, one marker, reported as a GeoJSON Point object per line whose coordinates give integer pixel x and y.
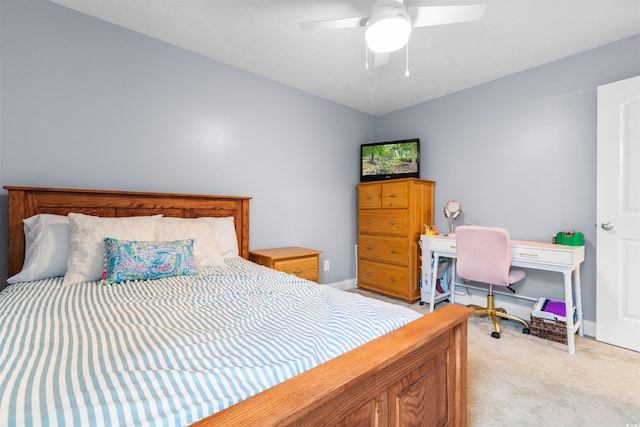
{"type": "Point", "coordinates": [369, 196]}
{"type": "Point", "coordinates": [393, 279]}
{"type": "Point", "coordinates": [393, 223]}
{"type": "Point", "coordinates": [369, 248]}
{"type": "Point", "coordinates": [297, 271]}
{"type": "Point", "coordinates": [392, 195]}
{"type": "Point", "coordinates": [368, 274]}
{"type": "Point", "coordinates": [393, 251]}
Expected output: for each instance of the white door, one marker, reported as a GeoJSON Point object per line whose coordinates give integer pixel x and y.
{"type": "Point", "coordinates": [618, 214]}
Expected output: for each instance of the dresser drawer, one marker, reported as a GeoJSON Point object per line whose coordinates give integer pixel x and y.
{"type": "Point", "coordinates": [369, 196]}
{"type": "Point", "coordinates": [385, 249]}
{"type": "Point", "coordinates": [305, 268]}
{"type": "Point", "coordinates": [384, 221]}
{"type": "Point", "coordinates": [395, 195]}
{"type": "Point", "coordinates": [382, 277]}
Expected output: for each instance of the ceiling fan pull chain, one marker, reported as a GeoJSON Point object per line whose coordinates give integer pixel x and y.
{"type": "Point", "coordinates": [406, 71]}
{"type": "Point", "coordinates": [366, 56]}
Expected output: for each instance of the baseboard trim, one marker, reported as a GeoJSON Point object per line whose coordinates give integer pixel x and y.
{"type": "Point", "coordinates": [344, 285]}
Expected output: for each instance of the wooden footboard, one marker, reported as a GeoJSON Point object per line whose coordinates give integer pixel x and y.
{"type": "Point", "coordinates": [416, 375]}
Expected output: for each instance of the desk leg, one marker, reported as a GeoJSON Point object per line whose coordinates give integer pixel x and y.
{"type": "Point", "coordinates": [576, 280]}
{"type": "Point", "coordinates": [452, 284]}
{"type": "Point", "coordinates": [568, 301]}
{"type": "Point", "coordinates": [434, 277]}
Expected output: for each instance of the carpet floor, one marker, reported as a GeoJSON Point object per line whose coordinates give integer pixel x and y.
{"type": "Point", "coordinates": [523, 380]}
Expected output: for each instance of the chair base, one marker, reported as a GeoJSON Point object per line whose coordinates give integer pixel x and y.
{"type": "Point", "coordinates": [494, 313]}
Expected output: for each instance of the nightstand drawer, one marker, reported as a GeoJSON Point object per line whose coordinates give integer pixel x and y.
{"type": "Point", "coordinates": [301, 262]}
{"type": "Point", "coordinates": [305, 268]}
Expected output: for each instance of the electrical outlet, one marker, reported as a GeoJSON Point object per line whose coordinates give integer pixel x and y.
{"type": "Point", "coordinates": [327, 266]}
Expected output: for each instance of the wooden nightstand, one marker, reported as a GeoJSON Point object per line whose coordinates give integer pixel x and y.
{"type": "Point", "coordinates": [301, 262]}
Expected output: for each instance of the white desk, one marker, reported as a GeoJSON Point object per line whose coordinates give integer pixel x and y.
{"type": "Point", "coordinates": [527, 254]}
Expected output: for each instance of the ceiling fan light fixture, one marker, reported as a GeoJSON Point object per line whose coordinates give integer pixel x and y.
{"type": "Point", "coordinates": [388, 29]}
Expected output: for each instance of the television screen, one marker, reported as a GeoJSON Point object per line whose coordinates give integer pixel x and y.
{"type": "Point", "coordinates": [390, 160]}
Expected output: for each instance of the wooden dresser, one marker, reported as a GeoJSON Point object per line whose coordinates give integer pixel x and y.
{"type": "Point", "coordinates": [391, 217]}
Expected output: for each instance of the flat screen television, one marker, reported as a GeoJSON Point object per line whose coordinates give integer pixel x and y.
{"type": "Point", "coordinates": [390, 160]}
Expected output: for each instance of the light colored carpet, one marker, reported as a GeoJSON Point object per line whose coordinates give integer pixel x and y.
{"type": "Point", "coordinates": [523, 380]}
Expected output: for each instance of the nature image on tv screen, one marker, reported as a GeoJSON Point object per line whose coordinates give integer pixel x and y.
{"type": "Point", "coordinates": [391, 159]}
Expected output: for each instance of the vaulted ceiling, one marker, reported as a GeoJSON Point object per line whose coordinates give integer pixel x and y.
{"type": "Point", "coordinates": [264, 37]}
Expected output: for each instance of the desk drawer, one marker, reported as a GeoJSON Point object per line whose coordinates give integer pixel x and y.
{"type": "Point", "coordinates": [542, 255]}
{"type": "Point", "coordinates": [443, 245]}
{"type": "Point", "coordinates": [385, 249]}
{"type": "Point", "coordinates": [529, 254]}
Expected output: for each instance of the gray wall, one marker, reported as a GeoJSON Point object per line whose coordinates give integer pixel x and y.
{"type": "Point", "coordinates": [87, 104]}
{"type": "Point", "coordinates": [520, 152]}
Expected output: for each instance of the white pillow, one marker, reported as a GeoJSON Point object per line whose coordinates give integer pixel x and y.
{"type": "Point", "coordinates": [205, 248]}
{"type": "Point", "coordinates": [86, 256]}
{"type": "Point", "coordinates": [226, 237]}
{"type": "Point", "coordinates": [46, 251]}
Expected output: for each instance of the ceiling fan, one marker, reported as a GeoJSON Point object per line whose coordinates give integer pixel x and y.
{"type": "Point", "coordinates": [389, 25]}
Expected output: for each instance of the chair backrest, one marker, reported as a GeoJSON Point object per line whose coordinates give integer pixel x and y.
{"type": "Point", "coordinates": [484, 254]}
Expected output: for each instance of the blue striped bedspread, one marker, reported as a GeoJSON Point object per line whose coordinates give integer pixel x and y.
{"type": "Point", "coordinates": [170, 351]}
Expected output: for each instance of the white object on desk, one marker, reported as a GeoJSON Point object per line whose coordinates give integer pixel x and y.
{"type": "Point", "coordinates": [527, 254]}
{"type": "Point", "coordinates": [452, 209]}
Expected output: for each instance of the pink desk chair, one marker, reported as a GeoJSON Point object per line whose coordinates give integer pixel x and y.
{"type": "Point", "coordinates": [484, 255]}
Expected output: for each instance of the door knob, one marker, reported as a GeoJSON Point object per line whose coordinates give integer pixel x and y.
{"type": "Point", "coordinates": [607, 226]}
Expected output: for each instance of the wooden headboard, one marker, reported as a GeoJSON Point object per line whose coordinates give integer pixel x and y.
{"type": "Point", "coordinates": [25, 202]}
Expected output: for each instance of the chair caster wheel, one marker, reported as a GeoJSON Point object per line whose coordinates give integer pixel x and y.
{"type": "Point", "coordinates": [495, 334]}
{"type": "Point", "coordinates": [526, 331]}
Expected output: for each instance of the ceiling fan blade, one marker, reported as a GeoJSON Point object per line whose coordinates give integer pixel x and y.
{"type": "Point", "coordinates": [380, 59]}
{"type": "Point", "coordinates": [331, 24]}
{"type": "Point", "coordinates": [426, 16]}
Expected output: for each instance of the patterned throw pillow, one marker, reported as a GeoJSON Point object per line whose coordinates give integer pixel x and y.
{"type": "Point", "coordinates": [140, 260]}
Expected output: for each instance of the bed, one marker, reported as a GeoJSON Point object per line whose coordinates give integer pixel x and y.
{"type": "Point", "coordinates": [409, 370]}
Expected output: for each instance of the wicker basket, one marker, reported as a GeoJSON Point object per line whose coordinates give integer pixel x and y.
{"type": "Point", "coordinates": [549, 329]}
